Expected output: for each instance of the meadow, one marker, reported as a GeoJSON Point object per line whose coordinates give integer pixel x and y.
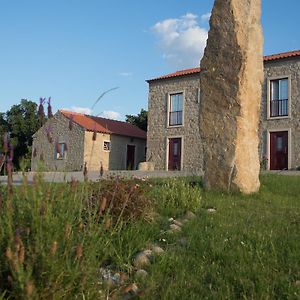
{"type": "Point", "coordinates": [63, 241]}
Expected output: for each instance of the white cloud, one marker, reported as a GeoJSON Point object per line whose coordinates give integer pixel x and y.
{"type": "Point", "coordinates": [205, 18]}
{"type": "Point", "coordinates": [125, 74]}
{"type": "Point", "coordinates": [81, 110]}
{"type": "Point", "coordinates": [110, 114]}
{"type": "Point", "coordinates": [182, 40]}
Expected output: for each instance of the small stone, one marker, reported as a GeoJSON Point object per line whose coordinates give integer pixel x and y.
{"type": "Point", "coordinates": [141, 274]}
{"type": "Point", "coordinates": [131, 288]}
{"type": "Point", "coordinates": [171, 219]}
{"type": "Point", "coordinates": [189, 215]}
{"type": "Point", "coordinates": [297, 283]}
{"type": "Point", "coordinates": [175, 227]}
{"type": "Point", "coordinates": [178, 223]}
{"type": "Point", "coordinates": [157, 250]}
{"type": "Point", "coordinates": [211, 210]}
{"type": "Point", "coordinates": [147, 252]}
{"type": "Point", "coordinates": [141, 260]}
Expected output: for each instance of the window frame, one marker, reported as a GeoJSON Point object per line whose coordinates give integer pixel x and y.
{"type": "Point", "coordinates": [269, 96]}
{"type": "Point", "coordinates": [109, 143]}
{"type": "Point", "coordinates": [64, 156]}
{"type": "Point", "coordinates": [169, 109]}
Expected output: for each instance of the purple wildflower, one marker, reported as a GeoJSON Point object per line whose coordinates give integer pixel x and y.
{"type": "Point", "coordinates": [50, 115]}
{"type": "Point", "coordinates": [5, 142]}
{"type": "Point", "coordinates": [85, 171]}
{"type": "Point", "coordinates": [101, 169]}
{"type": "Point", "coordinates": [41, 112]}
{"type": "Point", "coordinates": [34, 152]}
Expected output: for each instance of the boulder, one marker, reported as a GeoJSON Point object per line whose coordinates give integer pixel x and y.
{"type": "Point", "coordinates": [146, 166]}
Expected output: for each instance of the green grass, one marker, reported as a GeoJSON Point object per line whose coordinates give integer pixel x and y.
{"type": "Point", "coordinates": [248, 249]}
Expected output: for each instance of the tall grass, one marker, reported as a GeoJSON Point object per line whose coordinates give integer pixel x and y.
{"type": "Point", "coordinates": [55, 237]}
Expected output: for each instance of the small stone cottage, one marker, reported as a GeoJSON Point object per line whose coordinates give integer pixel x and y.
{"type": "Point", "coordinates": [69, 140]}
{"type": "Point", "coordinates": [173, 138]}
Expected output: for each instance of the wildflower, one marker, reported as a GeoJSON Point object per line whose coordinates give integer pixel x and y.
{"type": "Point", "coordinates": [34, 152]}
{"type": "Point", "coordinates": [53, 248]}
{"type": "Point", "coordinates": [101, 169]}
{"type": "Point", "coordinates": [29, 288]}
{"type": "Point", "coordinates": [67, 231]}
{"type": "Point", "coordinates": [50, 115]}
{"type": "Point", "coordinates": [8, 253]}
{"type": "Point", "coordinates": [5, 142]}
{"type": "Point", "coordinates": [85, 171]}
{"type": "Point", "coordinates": [21, 254]}
{"type": "Point", "coordinates": [94, 133]}
{"type": "Point", "coordinates": [103, 205]}
{"type": "Point", "coordinates": [79, 251]}
{"type": "Point", "coordinates": [41, 112]}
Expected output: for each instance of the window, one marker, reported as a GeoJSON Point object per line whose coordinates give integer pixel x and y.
{"type": "Point", "coordinates": [106, 146]}
{"type": "Point", "coordinates": [175, 109]}
{"type": "Point", "coordinates": [279, 97]}
{"type": "Point", "coordinates": [61, 150]}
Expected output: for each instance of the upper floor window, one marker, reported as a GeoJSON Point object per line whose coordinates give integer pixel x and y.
{"type": "Point", "coordinates": [175, 109]}
{"type": "Point", "coordinates": [279, 97]}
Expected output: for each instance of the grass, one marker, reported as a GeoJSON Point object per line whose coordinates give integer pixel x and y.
{"type": "Point", "coordinates": [55, 237]}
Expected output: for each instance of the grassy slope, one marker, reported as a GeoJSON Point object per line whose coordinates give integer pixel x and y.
{"type": "Point", "coordinates": [250, 248]}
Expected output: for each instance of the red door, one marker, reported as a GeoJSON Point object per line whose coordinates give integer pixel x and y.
{"type": "Point", "coordinates": [174, 154]}
{"type": "Point", "coordinates": [279, 150]}
{"type": "Point", "coordinates": [130, 157]}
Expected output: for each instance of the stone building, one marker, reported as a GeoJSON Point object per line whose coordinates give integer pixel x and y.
{"type": "Point", "coordinates": [69, 140]}
{"type": "Point", "coordinates": [173, 138]}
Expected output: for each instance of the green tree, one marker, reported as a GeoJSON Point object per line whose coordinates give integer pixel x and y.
{"type": "Point", "coordinates": [21, 122]}
{"type": "Point", "coordinates": [140, 120]}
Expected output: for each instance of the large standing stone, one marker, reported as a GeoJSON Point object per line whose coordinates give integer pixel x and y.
{"type": "Point", "coordinates": [231, 83]}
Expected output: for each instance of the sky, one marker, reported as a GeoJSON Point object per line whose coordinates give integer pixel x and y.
{"type": "Point", "coordinates": [74, 50]}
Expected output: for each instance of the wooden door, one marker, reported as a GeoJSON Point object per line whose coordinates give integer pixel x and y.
{"type": "Point", "coordinates": [130, 157]}
{"type": "Point", "coordinates": [279, 150]}
{"type": "Point", "coordinates": [174, 162]}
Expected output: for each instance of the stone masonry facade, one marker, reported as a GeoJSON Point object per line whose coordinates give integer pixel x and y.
{"type": "Point", "coordinates": [159, 132]}
{"type": "Point", "coordinates": [277, 69]}
{"type": "Point", "coordinates": [81, 148]}
{"type": "Point", "coordinates": [44, 151]}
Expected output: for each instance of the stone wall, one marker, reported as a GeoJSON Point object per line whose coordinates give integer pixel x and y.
{"type": "Point", "coordinates": [280, 69]}
{"type": "Point", "coordinates": [58, 128]}
{"type": "Point", "coordinates": [118, 154]}
{"type": "Point", "coordinates": [159, 131]}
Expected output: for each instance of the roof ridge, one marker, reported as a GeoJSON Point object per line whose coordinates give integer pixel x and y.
{"type": "Point", "coordinates": [194, 70]}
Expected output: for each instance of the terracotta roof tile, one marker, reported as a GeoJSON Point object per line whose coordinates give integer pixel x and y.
{"type": "Point", "coordinates": [103, 125]}
{"type": "Point", "coordinates": [282, 55]}
{"type": "Point", "coordinates": [197, 70]}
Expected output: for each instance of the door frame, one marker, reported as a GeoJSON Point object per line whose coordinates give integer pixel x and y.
{"type": "Point", "coordinates": [289, 131]}
{"type": "Point", "coordinates": [167, 150]}
{"type": "Point", "coordinates": [134, 165]}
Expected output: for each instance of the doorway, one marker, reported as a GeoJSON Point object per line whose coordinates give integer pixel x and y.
{"type": "Point", "coordinates": [174, 161]}
{"type": "Point", "coordinates": [279, 150]}
{"type": "Point", "coordinates": [130, 162]}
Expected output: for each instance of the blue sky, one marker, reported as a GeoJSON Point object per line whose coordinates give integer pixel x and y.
{"type": "Point", "coordinates": [75, 50]}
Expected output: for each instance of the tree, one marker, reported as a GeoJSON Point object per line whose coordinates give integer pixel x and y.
{"type": "Point", "coordinates": [21, 122]}
{"type": "Point", "coordinates": [140, 120]}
